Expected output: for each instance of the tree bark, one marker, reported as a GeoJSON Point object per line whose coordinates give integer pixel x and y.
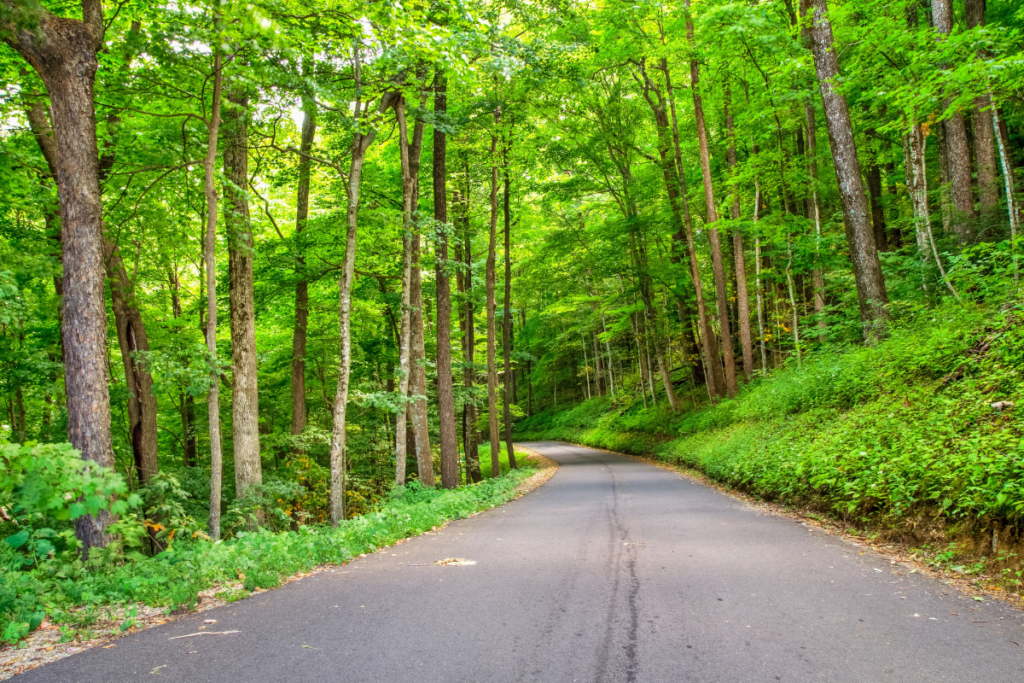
{"type": "Point", "coordinates": [245, 431]}
{"type": "Point", "coordinates": [131, 335]}
{"type": "Point", "coordinates": [131, 332]}
{"type": "Point", "coordinates": [63, 52]}
{"type": "Point", "coordinates": [469, 411]}
{"type": "Point", "coordinates": [302, 286]}
{"type": "Point", "coordinates": [739, 258]}
{"type": "Point", "coordinates": [418, 382]}
{"type": "Point", "coordinates": [712, 217]}
{"type": "Point", "coordinates": [492, 373]}
{"type": "Point", "coordinates": [867, 270]}
{"type": "Point", "coordinates": [984, 133]}
{"type": "Point", "coordinates": [507, 376]}
{"type": "Point", "coordinates": [449, 440]}
{"type": "Point", "coordinates": [714, 379]}
{"type": "Point", "coordinates": [361, 141]}
{"type": "Point", "coordinates": [956, 140]}
{"type": "Point", "coordinates": [406, 351]}
{"type": "Point", "coordinates": [210, 259]}
{"type": "Point", "coordinates": [190, 446]}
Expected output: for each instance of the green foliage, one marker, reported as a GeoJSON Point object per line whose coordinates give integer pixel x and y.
{"type": "Point", "coordinates": [259, 559]}
{"type": "Point", "coordinates": [922, 424]}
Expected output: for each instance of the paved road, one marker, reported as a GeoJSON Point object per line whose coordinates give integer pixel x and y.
{"type": "Point", "coordinates": [612, 571]}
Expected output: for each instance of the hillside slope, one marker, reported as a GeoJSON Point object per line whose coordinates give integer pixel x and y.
{"type": "Point", "coordinates": [917, 437]}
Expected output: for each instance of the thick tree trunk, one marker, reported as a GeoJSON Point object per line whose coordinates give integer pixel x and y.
{"type": "Point", "coordinates": [718, 266]}
{"type": "Point", "coordinates": [867, 270]}
{"type": "Point", "coordinates": [739, 259]}
{"type": "Point", "coordinates": [956, 141]}
{"type": "Point", "coordinates": [63, 52]}
{"type": "Point", "coordinates": [507, 375]}
{"type": "Point", "coordinates": [492, 372]}
{"type": "Point", "coordinates": [131, 333]}
{"type": "Point", "coordinates": [241, 296]}
{"type": "Point", "coordinates": [302, 287]}
{"type": "Point", "coordinates": [449, 440]}
{"type": "Point", "coordinates": [984, 135]}
{"type": "Point", "coordinates": [210, 259]}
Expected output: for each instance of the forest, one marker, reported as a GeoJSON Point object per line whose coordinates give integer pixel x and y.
{"type": "Point", "coordinates": [275, 274]}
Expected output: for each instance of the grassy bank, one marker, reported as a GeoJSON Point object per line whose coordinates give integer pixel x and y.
{"type": "Point", "coordinates": [918, 436]}
{"type": "Point", "coordinates": [62, 589]}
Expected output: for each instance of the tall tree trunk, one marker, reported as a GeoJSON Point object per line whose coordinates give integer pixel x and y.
{"type": "Point", "coordinates": [445, 391]}
{"type": "Point", "coordinates": [527, 376]}
{"type": "Point", "coordinates": [63, 52]}
{"type": "Point", "coordinates": [873, 175]}
{"type": "Point", "coordinates": [739, 259]}
{"type": "Point", "coordinates": [469, 414]}
{"type": "Point", "coordinates": [302, 286]}
{"type": "Point", "coordinates": [984, 132]}
{"type": "Point", "coordinates": [210, 259]}
{"type": "Point", "coordinates": [360, 143]}
{"type": "Point", "coordinates": [956, 140]}
{"type": "Point", "coordinates": [131, 335]}
{"type": "Point", "coordinates": [712, 212]}
{"type": "Point", "coordinates": [245, 432]}
{"type": "Point", "coordinates": [418, 383]}
{"type": "Point", "coordinates": [867, 270]}
{"type": "Point", "coordinates": [417, 358]}
{"type": "Point", "coordinates": [507, 376]}
{"type": "Point", "coordinates": [814, 213]}
{"type": "Point", "coordinates": [759, 291]}
{"type": "Point", "coordinates": [492, 373]}
{"type": "Point", "coordinates": [405, 345]}
{"type": "Point", "coordinates": [186, 401]}
{"type": "Point", "coordinates": [945, 183]}
{"type": "Point", "coordinates": [715, 379]}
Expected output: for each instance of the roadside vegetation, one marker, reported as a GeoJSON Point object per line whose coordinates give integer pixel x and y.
{"type": "Point", "coordinates": [918, 438]}
{"type": "Point", "coordinates": [163, 556]}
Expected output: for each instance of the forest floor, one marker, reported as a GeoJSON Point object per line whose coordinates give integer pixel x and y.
{"type": "Point", "coordinates": [614, 570]}
{"type": "Point", "coordinates": [44, 645]}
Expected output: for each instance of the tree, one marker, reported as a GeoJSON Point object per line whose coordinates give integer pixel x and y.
{"type": "Point", "coordinates": [63, 53]}
{"type": "Point", "coordinates": [867, 270]}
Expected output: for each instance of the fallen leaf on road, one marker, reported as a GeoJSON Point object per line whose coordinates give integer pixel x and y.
{"type": "Point", "coordinates": [205, 633]}
{"type": "Point", "coordinates": [979, 598]}
{"type": "Point", "coordinates": [107, 647]}
{"type": "Point", "coordinates": [454, 562]}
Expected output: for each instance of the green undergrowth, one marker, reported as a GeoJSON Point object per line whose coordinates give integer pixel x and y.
{"type": "Point", "coordinates": [920, 434]}
{"type": "Point", "coordinates": [62, 588]}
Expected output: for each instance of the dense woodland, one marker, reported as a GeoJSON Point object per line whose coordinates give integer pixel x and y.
{"type": "Point", "coordinates": [267, 261]}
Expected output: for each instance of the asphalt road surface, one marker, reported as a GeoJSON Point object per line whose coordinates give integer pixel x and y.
{"type": "Point", "coordinates": [612, 571]}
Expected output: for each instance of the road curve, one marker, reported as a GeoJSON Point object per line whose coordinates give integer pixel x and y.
{"type": "Point", "coordinates": [612, 571]}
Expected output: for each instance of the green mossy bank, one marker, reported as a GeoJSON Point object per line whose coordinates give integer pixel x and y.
{"type": "Point", "coordinates": [926, 426]}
